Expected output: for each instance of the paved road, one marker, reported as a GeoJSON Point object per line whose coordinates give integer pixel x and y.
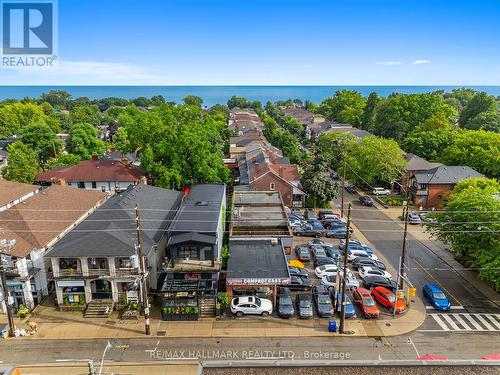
{"type": "Point", "coordinates": [470, 306]}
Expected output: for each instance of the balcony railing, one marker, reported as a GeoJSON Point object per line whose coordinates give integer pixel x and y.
{"type": "Point", "coordinates": [126, 271]}
{"type": "Point", "coordinates": [69, 273]}
{"type": "Point", "coordinates": [98, 272]}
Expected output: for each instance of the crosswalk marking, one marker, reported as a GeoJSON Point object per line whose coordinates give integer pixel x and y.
{"type": "Point", "coordinates": [466, 322]}
{"type": "Point", "coordinates": [473, 322]}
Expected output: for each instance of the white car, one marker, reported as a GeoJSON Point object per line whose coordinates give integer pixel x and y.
{"type": "Point", "coordinates": [351, 242]}
{"type": "Point", "coordinates": [373, 271]}
{"type": "Point", "coordinates": [326, 270]}
{"type": "Point", "coordinates": [352, 282]}
{"type": "Point", "coordinates": [380, 191]}
{"type": "Point", "coordinates": [251, 306]}
{"type": "Point", "coordinates": [352, 254]}
{"type": "Point", "coordinates": [334, 216]}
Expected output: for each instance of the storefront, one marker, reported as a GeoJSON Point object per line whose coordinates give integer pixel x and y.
{"type": "Point", "coordinates": [72, 293]}
{"type": "Point", "coordinates": [256, 267]}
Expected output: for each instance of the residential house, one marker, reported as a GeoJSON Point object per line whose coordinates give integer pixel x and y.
{"type": "Point", "coordinates": [4, 155]}
{"type": "Point", "coordinates": [96, 174]}
{"type": "Point", "coordinates": [34, 225]}
{"type": "Point", "coordinates": [241, 120]}
{"type": "Point", "coordinates": [194, 249]}
{"type": "Point", "coordinates": [415, 164]}
{"type": "Point", "coordinates": [13, 193]}
{"type": "Point", "coordinates": [98, 260]}
{"type": "Point", "coordinates": [430, 189]}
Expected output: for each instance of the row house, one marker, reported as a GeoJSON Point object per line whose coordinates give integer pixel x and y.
{"type": "Point", "coordinates": [98, 260]}
{"type": "Point", "coordinates": [34, 225]}
{"type": "Point", "coordinates": [13, 193]}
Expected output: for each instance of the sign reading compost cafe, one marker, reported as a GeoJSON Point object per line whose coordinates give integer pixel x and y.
{"type": "Point", "coordinates": [259, 281]}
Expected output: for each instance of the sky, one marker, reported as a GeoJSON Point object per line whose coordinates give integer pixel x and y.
{"type": "Point", "coordinates": [272, 42]}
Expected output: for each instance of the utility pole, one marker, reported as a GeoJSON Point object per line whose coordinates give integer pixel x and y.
{"type": "Point", "coordinates": [142, 263]}
{"type": "Point", "coordinates": [342, 192]}
{"type": "Point", "coordinates": [54, 149]}
{"type": "Point", "coordinates": [6, 297]}
{"type": "Point", "coordinates": [403, 250]}
{"type": "Point", "coordinates": [344, 272]}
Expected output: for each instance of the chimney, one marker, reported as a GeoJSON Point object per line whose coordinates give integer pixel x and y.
{"type": "Point", "coordinates": [61, 182]}
{"type": "Point", "coordinates": [95, 157]}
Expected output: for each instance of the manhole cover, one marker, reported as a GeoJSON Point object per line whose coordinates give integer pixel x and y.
{"type": "Point", "coordinates": [161, 333]}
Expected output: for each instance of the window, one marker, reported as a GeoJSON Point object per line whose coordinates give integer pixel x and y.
{"type": "Point", "coordinates": [94, 185]}
{"type": "Point", "coordinates": [188, 252]}
{"type": "Point", "coordinates": [103, 189]}
{"type": "Point", "coordinates": [272, 186]}
{"type": "Point", "coordinates": [423, 186]}
{"type": "Point", "coordinates": [81, 185]}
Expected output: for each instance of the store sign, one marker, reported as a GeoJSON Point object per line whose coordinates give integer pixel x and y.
{"type": "Point", "coordinates": [259, 281]}
{"type": "Point", "coordinates": [70, 283]}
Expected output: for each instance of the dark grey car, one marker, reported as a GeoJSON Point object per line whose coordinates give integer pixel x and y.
{"type": "Point", "coordinates": [322, 301]}
{"type": "Point", "coordinates": [285, 304]}
{"type": "Point", "coordinates": [304, 306]}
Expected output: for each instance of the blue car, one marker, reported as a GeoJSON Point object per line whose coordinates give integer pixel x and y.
{"type": "Point", "coordinates": [350, 312]}
{"type": "Point", "coordinates": [368, 249]}
{"type": "Point", "coordinates": [435, 295]}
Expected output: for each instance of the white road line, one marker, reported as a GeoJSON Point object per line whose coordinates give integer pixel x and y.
{"type": "Point", "coordinates": [462, 322]}
{"type": "Point", "coordinates": [451, 308]}
{"type": "Point", "coordinates": [492, 320]}
{"type": "Point", "coordinates": [451, 322]}
{"type": "Point", "coordinates": [473, 322]}
{"type": "Point", "coordinates": [440, 322]}
{"type": "Point", "coordinates": [485, 323]}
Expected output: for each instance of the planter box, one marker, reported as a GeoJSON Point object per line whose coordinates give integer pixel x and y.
{"type": "Point", "coordinates": [179, 317]}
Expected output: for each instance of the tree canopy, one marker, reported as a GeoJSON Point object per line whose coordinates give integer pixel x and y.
{"type": "Point", "coordinates": [480, 102]}
{"type": "Point", "coordinates": [83, 141]}
{"type": "Point", "coordinates": [23, 163]}
{"type": "Point", "coordinates": [41, 139]}
{"type": "Point", "coordinates": [345, 106]}
{"type": "Point", "coordinates": [318, 184]}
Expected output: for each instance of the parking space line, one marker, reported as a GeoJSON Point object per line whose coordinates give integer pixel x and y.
{"type": "Point", "coordinates": [439, 321]}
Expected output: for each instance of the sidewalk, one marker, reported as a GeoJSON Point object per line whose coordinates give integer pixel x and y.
{"type": "Point", "coordinates": [442, 251]}
{"type": "Point", "coordinates": [59, 325]}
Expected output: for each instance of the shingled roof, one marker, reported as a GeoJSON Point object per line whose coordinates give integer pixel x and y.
{"type": "Point", "coordinates": [10, 191]}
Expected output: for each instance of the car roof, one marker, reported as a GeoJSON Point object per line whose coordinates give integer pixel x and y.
{"type": "Point", "coordinates": [243, 299]}
{"type": "Point", "coordinates": [363, 292]}
{"type": "Point", "coordinates": [320, 289]}
{"type": "Point", "coordinates": [285, 291]}
{"type": "Point", "coordinates": [383, 290]}
{"type": "Point", "coordinates": [303, 296]}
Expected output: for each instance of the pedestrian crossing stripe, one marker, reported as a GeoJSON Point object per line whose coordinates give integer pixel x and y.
{"type": "Point", "coordinates": [467, 322]}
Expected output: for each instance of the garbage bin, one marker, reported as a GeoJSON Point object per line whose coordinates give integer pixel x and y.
{"type": "Point", "coordinates": [332, 326]}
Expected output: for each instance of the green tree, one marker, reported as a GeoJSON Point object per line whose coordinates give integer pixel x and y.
{"type": "Point", "coordinates": [85, 114]}
{"type": "Point", "coordinates": [463, 95]}
{"type": "Point", "coordinates": [436, 122]}
{"type": "Point", "coordinates": [477, 149]}
{"type": "Point", "coordinates": [428, 144]}
{"type": "Point", "coordinates": [318, 184]}
{"type": "Point", "coordinates": [56, 98]}
{"type": "Point", "coordinates": [121, 141]}
{"type": "Point", "coordinates": [283, 139]}
{"type": "Point", "coordinates": [334, 147]}
{"type": "Point", "coordinates": [83, 141]}
{"type": "Point", "coordinates": [23, 163]}
{"type": "Point", "coordinates": [41, 139]}
{"type": "Point", "coordinates": [157, 100]}
{"type": "Point", "coordinates": [14, 117]}
{"type": "Point", "coordinates": [471, 226]}
{"type": "Point", "coordinates": [480, 102]}
{"type": "Point", "coordinates": [63, 160]}
{"type": "Point", "coordinates": [345, 106]}
{"type": "Point", "coordinates": [375, 161]}
{"type": "Point", "coordinates": [369, 111]}
{"type": "Point", "coordinates": [193, 100]}
{"type": "Point", "coordinates": [489, 121]}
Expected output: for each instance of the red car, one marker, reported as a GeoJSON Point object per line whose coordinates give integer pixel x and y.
{"type": "Point", "coordinates": [386, 298]}
{"type": "Point", "coordinates": [364, 300]}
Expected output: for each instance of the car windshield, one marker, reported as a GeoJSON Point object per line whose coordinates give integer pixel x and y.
{"type": "Point", "coordinates": [305, 304]}
{"type": "Point", "coordinates": [439, 295]}
{"type": "Point", "coordinates": [303, 251]}
{"type": "Point", "coordinates": [390, 297]}
{"type": "Point", "coordinates": [324, 300]}
{"type": "Point", "coordinates": [285, 301]}
{"type": "Point", "coordinates": [368, 302]}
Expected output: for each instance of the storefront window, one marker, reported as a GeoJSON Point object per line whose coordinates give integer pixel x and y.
{"type": "Point", "coordinates": [188, 252]}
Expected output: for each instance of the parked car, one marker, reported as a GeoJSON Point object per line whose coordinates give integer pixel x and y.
{"type": "Point", "coordinates": [326, 270]}
{"type": "Point", "coordinates": [322, 213]}
{"type": "Point", "coordinates": [322, 301]}
{"type": "Point", "coordinates": [380, 191]}
{"type": "Point", "coordinates": [340, 232]}
{"type": "Point", "coordinates": [296, 271]}
{"type": "Point", "coordinates": [330, 281]}
{"type": "Point", "coordinates": [292, 221]}
{"type": "Point", "coordinates": [413, 218]}
{"type": "Point", "coordinates": [387, 299]}
{"type": "Point", "coordinates": [334, 175]}
{"type": "Point", "coordinates": [332, 252]}
{"type": "Point", "coordinates": [364, 300]}
{"type": "Point", "coordinates": [374, 281]}
{"type": "Point", "coordinates": [435, 295]}
{"type": "Point", "coordinates": [351, 189]}
{"type": "Point", "coordinates": [372, 271]}
{"type": "Point", "coordinates": [251, 306]}
{"type": "Point", "coordinates": [351, 242]}
{"type": "Point", "coordinates": [361, 262]}
{"type": "Point", "coordinates": [318, 251]}
{"type": "Point", "coordinates": [307, 230]}
{"type": "Point", "coordinates": [309, 214]}
{"type": "Point", "coordinates": [304, 306]}
{"type": "Point", "coordinates": [366, 200]}
{"type": "Point", "coordinates": [285, 304]}
{"type": "Point", "coordinates": [315, 242]}
{"type": "Point", "coordinates": [321, 261]}
{"type": "Point", "coordinates": [296, 212]}
{"type": "Point", "coordinates": [316, 224]}
{"type": "Point", "coordinates": [424, 216]}
{"type": "Point", "coordinates": [353, 254]}
{"type": "Point", "coordinates": [299, 283]}
{"type": "Point", "coordinates": [349, 310]}
{"type": "Point", "coordinates": [302, 253]}
{"type": "Point", "coordinates": [334, 223]}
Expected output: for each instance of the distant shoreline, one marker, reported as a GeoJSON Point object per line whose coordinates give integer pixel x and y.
{"type": "Point", "coordinates": [220, 94]}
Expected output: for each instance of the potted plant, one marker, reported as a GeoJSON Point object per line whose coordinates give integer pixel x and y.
{"type": "Point", "coordinates": [23, 312]}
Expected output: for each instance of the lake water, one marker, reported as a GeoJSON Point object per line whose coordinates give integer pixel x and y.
{"type": "Point", "coordinates": [220, 94]}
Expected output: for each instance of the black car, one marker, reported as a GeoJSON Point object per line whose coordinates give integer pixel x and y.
{"type": "Point", "coordinates": [302, 253]}
{"type": "Point", "coordinates": [351, 189]}
{"type": "Point", "coordinates": [373, 281]}
{"type": "Point", "coordinates": [307, 230]}
{"type": "Point", "coordinates": [366, 200]}
{"type": "Point", "coordinates": [322, 301]}
{"type": "Point", "coordinates": [322, 213]}
{"type": "Point", "coordinates": [285, 303]}
{"type": "Point", "coordinates": [304, 306]}
{"type": "Point", "coordinates": [321, 261]}
{"type": "Point", "coordinates": [296, 271]}
{"type": "Point", "coordinates": [299, 283]}
{"type": "Point", "coordinates": [361, 262]}
{"type": "Point", "coordinates": [330, 223]}
{"type": "Point", "coordinates": [340, 233]}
